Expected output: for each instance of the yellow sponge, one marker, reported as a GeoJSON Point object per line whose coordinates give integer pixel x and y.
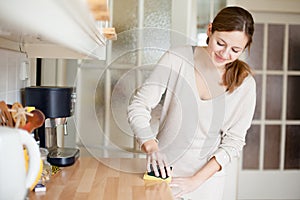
{"type": "Point", "coordinates": [151, 176]}
{"type": "Point", "coordinates": [154, 178]}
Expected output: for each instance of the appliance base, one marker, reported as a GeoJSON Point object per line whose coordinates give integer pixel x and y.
{"type": "Point", "coordinates": [63, 157]}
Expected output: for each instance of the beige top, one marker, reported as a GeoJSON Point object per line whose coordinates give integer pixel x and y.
{"type": "Point", "coordinates": [191, 130]}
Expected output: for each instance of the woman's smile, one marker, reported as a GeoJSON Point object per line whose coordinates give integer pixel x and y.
{"type": "Point", "coordinates": [219, 59]}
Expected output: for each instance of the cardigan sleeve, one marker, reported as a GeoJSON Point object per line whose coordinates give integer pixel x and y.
{"type": "Point", "coordinates": [146, 98]}
{"type": "Point", "coordinates": [233, 139]}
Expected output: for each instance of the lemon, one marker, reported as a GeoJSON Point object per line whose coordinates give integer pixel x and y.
{"type": "Point", "coordinates": [26, 167]}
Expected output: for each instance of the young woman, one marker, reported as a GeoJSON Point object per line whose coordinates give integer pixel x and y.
{"type": "Point", "coordinates": [208, 104]}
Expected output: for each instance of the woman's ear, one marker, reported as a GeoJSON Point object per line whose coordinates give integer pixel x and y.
{"type": "Point", "coordinates": [209, 29]}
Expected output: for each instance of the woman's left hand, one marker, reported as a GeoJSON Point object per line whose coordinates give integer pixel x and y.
{"type": "Point", "coordinates": [185, 185]}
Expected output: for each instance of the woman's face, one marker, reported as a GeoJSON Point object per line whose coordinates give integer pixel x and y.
{"type": "Point", "coordinates": [225, 47]}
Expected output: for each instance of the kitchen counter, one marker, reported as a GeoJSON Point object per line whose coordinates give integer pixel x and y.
{"type": "Point", "coordinates": [101, 179]}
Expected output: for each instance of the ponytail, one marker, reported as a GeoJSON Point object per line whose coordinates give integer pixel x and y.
{"type": "Point", "coordinates": [235, 73]}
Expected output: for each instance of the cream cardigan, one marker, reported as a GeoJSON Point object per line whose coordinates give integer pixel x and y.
{"type": "Point", "coordinates": [191, 130]}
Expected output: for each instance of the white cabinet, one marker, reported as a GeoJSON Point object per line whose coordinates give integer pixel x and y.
{"type": "Point", "coordinates": [51, 28]}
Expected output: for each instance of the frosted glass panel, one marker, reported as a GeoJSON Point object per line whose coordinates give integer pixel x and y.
{"type": "Point", "coordinates": [157, 42]}
{"type": "Point", "coordinates": [100, 100]}
{"type": "Point", "coordinates": [125, 19]}
{"type": "Point", "coordinates": [274, 97]}
{"type": "Point", "coordinates": [129, 61]}
{"type": "Point", "coordinates": [157, 13]}
{"type": "Point", "coordinates": [293, 98]}
{"type": "Point", "coordinates": [258, 79]}
{"type": "Point", "coordinates": [125, 15]}
{"type": "Point", "coordinates": [275, 47]}
{"type": "Point", "coordinates": [251, 150]}
{"type": "Point", "coordinates": [157, 23]}
{"type": "Point", "coordinates": [294, 47]}
{"type": "Point", "coordinates": [122, 81]}
{"type": "Point", "coordinates": [272, 147]}
{"type": "Point", "coordinates": [141, 46]}
{"type": "Point", "coordinates": [292, 147]}
{"type": "Point", "coordinates": [254, 59]}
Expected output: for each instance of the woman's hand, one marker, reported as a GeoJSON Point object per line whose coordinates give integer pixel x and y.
{"type": "Point", "coordinates": [185, 185]}
{"type": "Point", "coordinates": [189, 184]}
{"type": "Point", "coordinates": [156, 161]}
{"type": "Point", "coordinates": [150, 146]}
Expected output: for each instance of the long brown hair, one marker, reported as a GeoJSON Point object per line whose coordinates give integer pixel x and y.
{"type": "Point", "coordinates": [235, 19]}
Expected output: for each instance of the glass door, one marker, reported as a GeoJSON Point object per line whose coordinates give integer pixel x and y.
{"type": "Point", "coordinates": [270, 165]}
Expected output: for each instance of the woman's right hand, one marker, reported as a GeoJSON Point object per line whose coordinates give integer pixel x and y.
{"type": "Point", "coordinates": [156, 161]}
{"type": "Point", "coordinates": [150, 146]}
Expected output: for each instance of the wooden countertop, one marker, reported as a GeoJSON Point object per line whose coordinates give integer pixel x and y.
{"type": "Point", "coordinates": [91, 178]}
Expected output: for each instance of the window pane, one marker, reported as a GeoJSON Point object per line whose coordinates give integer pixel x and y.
{"type": "Point", "coordinates": [203, 15]}
{"type": "Point", "coordinates": [157, 13]}
{"type": "Point", "coordinates": [274, 97]}
{"type": "Point", "coordinates": [292, 148]}
{"type": "Point", "coordinates": [251, 150]}
{"type": "Point", "coordinates": [203, 12]}
{"type": "Point", "coordinates": [99, 98]}
{"type": "Point", "coordinates": [294, 47]}
{"type": "Point", "coordinates": [122, 83]}
{"type": "Point", "coordinates": [218, 5]}
{"type": "Point", "coordinates": [258, 79]}
{"type": "Point", "coordinates": [254, 58]}
{"type": "Point", "coordinates": [275, 47]}
{"type": "Point", "coordinates": [125, 15]}
{"type": "Point", "coordinates": [293, 98]}
{"type": "Point", "coordinates": [272, 147]}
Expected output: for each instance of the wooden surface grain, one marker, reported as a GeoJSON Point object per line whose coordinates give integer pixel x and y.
{"type": "Point", "coordinates": [102, 179]}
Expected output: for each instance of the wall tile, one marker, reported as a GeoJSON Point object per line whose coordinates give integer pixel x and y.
{"type": "Point", "coordinates": [3, 73]}
{"type": "Point", "coordinates": [12, 72]}
{"type": "Point", "coordinates": [10, 83]}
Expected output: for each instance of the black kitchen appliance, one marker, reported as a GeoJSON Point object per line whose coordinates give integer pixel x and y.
{"type": "Point", "coordinates": [57, 104]}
